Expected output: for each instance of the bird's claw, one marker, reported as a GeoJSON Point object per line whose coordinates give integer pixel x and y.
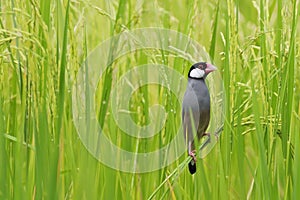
{"type": "Point", "coordinates": [193, 155]}
{"type": "Point", "coordinates": [208, 135]}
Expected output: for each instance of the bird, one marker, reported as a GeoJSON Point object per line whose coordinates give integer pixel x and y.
{"type": "Point", "coordinates": [196, 108]}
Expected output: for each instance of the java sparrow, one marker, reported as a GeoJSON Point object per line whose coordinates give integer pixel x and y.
{"type": "Point", "coordinates": [196, 108]}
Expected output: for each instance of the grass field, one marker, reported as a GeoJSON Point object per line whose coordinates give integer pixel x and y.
{"type": "Point", "coordinates": [43, 44]}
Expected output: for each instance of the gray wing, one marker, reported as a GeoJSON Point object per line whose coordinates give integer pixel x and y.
{"type": "Point", "coordinates": [190, 119]}
{"type": "Point", "coordinates": [195, 112]}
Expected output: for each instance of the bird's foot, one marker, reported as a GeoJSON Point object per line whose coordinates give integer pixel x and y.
{"type": "Point", "coordinates": [193, 155]}
{"type": "Point", "coordinates": [208, 135]}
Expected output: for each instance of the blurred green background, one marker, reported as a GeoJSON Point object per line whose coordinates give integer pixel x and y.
{"type": "Point", "coordinates": [255, 45]}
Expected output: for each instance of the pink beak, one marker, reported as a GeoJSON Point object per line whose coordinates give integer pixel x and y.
{"type": "Point", "coordinates": [210, 68]}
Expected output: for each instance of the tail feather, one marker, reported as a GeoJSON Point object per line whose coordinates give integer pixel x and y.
{"type": "Point", "coordinates": [192, 167]}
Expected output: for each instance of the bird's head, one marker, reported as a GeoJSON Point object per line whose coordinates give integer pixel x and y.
{"type": "Point", "coordinates": [200, 70]}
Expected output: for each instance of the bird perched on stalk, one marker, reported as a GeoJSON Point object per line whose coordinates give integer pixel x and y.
{"type": "Point", "coordinates": [196, 108]}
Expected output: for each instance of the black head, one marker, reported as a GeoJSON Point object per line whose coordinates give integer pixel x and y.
{"type": "Point", "coordinates": [200, 70]}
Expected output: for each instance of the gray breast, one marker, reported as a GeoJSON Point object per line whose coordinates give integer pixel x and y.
{"type": "Point", "coordinates": [196, 95]}
{"type": "Point", "coordinates": [197, 100]}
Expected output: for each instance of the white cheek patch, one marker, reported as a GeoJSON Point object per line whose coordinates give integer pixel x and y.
{"type": "Point", "coordinates": [197, 73]}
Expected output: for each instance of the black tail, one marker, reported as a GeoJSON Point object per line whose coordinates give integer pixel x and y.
{"type": "Point", "coordinates": [192, 167]}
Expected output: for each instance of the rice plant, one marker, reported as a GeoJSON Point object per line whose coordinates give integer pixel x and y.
{"type": "Point", "coordinates": [44, 46]}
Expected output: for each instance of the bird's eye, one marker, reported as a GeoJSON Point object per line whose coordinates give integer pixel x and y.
{"type": "Point", "coordinates": [202, 66]}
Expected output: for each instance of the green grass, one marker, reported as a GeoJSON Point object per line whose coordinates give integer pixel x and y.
{"type": "Point", "coordinates": [255, 45]}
